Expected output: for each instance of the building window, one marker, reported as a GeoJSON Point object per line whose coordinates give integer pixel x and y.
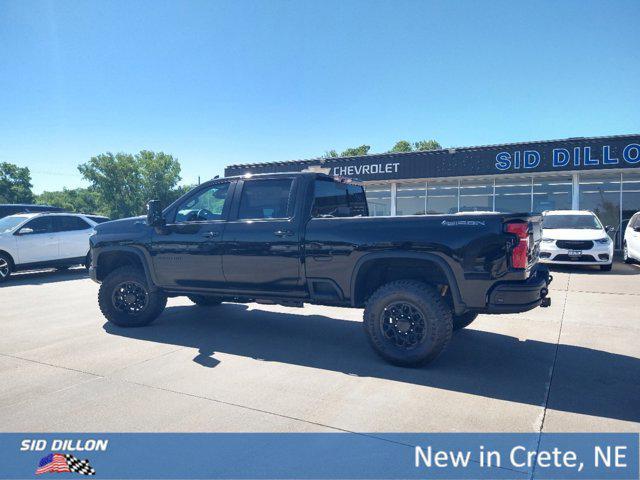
{"type": "Point", "coordinates": [411, 198]}
{"type": "Point", "coordinates": [442, 197]}
{"type": "Point", "coordinates": [552, 193]}
{"type": "Point", "coordinates": [601, 195]}
{"type": "Point", "coordinates": [476, 195]}
{"type": "Point", "coordinates": [513, 194]}
{"type": "Point", "coordinates": [379, 199]}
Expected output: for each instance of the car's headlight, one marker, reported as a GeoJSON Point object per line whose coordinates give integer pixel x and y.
{"type": "Point", "coordinates": [547, 240]}
{"type": "Point", "coordinates": [603, 241]}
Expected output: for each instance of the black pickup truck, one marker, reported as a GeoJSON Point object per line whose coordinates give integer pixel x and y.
{"type": "Point", "coordinates": [306, 237]}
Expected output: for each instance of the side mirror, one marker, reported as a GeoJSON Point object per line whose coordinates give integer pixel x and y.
{"type": "Point", "coordinates": [609, 228]}
{"type": "Point", "coordinates": [154, 214]}
{"type": "Point", "coordinates": [25, 231]}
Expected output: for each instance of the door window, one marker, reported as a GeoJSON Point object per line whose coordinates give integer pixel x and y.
{"type": "Point", "coordinates": [265, 199]}
{"type": "Point", "coordinates": [204, 206]}
{"type": "Point", "coordinates": [39, 225]}
{"type": "Point", "coordinates": [69, 224]}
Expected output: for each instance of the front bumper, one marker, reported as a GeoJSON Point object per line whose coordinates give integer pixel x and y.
{"type": "Point", "coordinates": [598, 254]}
{"type": "Point", "coordinates": [515, 297]}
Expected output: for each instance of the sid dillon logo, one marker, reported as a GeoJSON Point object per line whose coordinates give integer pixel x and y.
{"type": "Point", "coordinates": [63, 463]}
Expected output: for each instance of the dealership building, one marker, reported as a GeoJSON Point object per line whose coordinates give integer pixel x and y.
{"type": "Point", "coordinates": [601, 174]}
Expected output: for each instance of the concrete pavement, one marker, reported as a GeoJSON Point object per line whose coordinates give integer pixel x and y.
{"type": "Point", "coordinates": [572, 367]}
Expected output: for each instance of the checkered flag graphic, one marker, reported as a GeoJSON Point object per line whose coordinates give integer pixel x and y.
{"type": "Point", "coordinates": [79, 466]}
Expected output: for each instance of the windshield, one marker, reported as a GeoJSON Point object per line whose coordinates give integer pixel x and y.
{"type": "Point", "coordinates": [8, 223]}
{"type": "Point", "coordinates": [581, 222]}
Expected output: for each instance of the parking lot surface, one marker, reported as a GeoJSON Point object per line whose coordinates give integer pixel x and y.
{"type": "Point", "coordinates": [572, 367]}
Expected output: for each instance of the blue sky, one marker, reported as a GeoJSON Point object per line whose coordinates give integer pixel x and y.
{"type": "Point", "coordinates": [218, 83]}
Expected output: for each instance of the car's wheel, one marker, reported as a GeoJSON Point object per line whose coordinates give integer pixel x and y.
{"type": "Point", "coordinates": [87, 261]}
{"type": "Point", "coordinates": [606, 268]}
{"type": "Point", "coordinates": [126, 300]}
{"type": "Point", "coordinates": [625, 254]}
{"type": "Point", "coordinates": [464, 320]}
{"type": "Point", "coordinates": [407, 322]}
{"type": "Point", "coordinates": [6, 267]}
{"type": "Point", "coordinates": [205, 300]}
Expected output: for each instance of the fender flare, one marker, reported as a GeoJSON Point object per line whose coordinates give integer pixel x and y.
{"type": "Point", "coordinates": [127, 249]}
{"type": "Point", "coordinates": [458, 304]}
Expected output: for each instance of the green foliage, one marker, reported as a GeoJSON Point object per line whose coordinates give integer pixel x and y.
{"type": "Point", "coordinates": [353, 152]}
{"type": "Point", "coordinates": [125, 182]}
{"type": "Point", "coordinates": [79, 200]}
{"type": "Point", "coordinates": [402, 146]}
{"type": "Point", "coordinates": [424, 145]}
{"type": "Point", "coordinates": [15, 184]}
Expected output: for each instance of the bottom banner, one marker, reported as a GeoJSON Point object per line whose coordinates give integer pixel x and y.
{"type": "Point", "coordinates": [320, 455]}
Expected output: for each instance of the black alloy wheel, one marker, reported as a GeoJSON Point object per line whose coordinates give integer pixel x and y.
{"type": "Point", "coordinates": [403, 325]}
{"type": "Point", "coordinates": [130, 297]}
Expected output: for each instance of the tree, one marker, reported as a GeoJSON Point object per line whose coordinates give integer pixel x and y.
{"type": "Point", "coordinates": [353, 152]}
{"type": "Point", "coordinates": [80, 200]}
{"type": "Point", "coordinates": [330, 154]}
{"type": "Point", "coordinates": [402, 146]}
{"type": "Point", "coordinates": [160, 176]}
{"type": "Point", "coordinates": [15, 184]}
{"type": "Point", "coordinates": [125, 182]}
{"type": "Point", "coordinates": [424, 145]}
{"type": "Point", "coordinates": [117, 180]}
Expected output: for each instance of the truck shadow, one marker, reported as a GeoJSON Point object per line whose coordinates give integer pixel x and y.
{"type": "Point", "coordinates": [585, 381]}
{"type": "Point", "coordinates": [41, 277]}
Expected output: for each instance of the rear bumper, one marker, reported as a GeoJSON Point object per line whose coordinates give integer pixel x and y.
{"type": "Point", "coordinates": [515, 297]}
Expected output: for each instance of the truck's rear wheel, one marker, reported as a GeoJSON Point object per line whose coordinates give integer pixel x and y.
{"type": "Point", "coordinates": [464, 320]}
{"type": "Point", "coordinates": [126, 300]}
{"type": "Point", "coordinates": [408, 322]}
{"type": "Point", "coordinates": [205, 300]}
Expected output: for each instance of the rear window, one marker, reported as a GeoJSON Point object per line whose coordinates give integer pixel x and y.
{"type": "Point", "coordinates": [580, 222]}
{"type": "Point", "coordinates": [265, 199]}
{"type": "Point", "coordinates": [334, 199]}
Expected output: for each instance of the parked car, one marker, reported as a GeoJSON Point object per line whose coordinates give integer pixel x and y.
{"type": "Point", "coordinates": [13, 208]}
{"type": "Point", "coordinates": [43, 240]}
{"type": "Point", "coordinates": [307, 237]}
{"type": "Point", "coordinates": [631, 243]}
{"type": "Point", "coordinates": [572, 237]}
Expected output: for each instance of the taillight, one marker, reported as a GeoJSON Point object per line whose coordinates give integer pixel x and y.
{"type": "Point", "coordinates": [519, 252]}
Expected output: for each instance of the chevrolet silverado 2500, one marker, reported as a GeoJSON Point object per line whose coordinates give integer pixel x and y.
{"type": "Point", "coordinates": [306, 237]}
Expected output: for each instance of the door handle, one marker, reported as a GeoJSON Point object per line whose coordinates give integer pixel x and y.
{"type": "Point", "coordinates": [283, 233]}
{"type": "Point", "coordinates": [210, 234]}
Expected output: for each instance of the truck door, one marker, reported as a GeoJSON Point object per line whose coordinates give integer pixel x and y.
{"type": "Point", "coordinates": [188, 251]}
{"type": "Point", "coordinates": [262, 239]}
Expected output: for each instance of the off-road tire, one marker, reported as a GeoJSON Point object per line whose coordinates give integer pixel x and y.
{"type": "Point", "coordinates": [464, 320]}
{"type": "Point", "coordinates": [205, 300]}
{"type": "Point", "coordinates": [155, 300]}
{"type": "Point", "coordinates": [606, 268]}
{"type": "Point", "coordinates": [7, 266]}
{"type": "Point", "coordinates": [426, 300]}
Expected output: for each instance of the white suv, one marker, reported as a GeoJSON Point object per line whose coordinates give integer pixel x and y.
{"type": "Point", "coordinates": [631, 247]}
{"type": "Point", "coordinates": [42, 240]}
{"type": "Point", "coordinates": [571, 237]}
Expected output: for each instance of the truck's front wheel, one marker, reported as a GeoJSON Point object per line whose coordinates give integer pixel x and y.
{"type": "Point", "coordinates": [408, 323]}
{"type": "Point", "coordinates": [126, 300]}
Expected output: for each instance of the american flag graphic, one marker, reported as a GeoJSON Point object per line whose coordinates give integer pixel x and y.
{"type": "Point", "coordinates": [61, 463]}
